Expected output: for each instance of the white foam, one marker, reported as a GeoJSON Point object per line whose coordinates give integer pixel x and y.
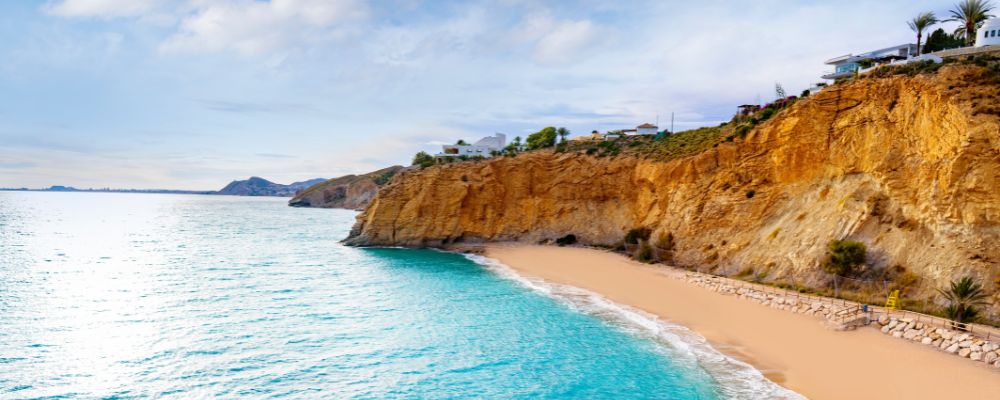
{"type": "Point", "coordinates": [736, 379]}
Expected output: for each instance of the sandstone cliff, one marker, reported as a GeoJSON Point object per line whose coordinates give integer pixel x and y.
{"type": "Point", "coordinates": [351, 191]}
{"type": "Point", "coordinates": [909, 165]}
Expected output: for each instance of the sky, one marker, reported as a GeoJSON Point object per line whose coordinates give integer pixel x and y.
{"type": "Point", "coordinates": [191, 94]}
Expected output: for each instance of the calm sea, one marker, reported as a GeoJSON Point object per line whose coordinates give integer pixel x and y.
{"type": "Point", "coordinates": [172, 296]}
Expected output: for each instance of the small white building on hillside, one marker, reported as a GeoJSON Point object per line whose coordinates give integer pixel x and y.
{"type": "Point", "coordinates": [989, 33]}
{"type": "Point", "coordinates": [646, 129]}
{"type": "Point", "coordinates": [484, 147]}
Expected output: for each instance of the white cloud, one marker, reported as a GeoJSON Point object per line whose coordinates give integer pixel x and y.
{"type": "Point", "coordinates": [555, 42]}
{"type": "Point", "coordinates": [255, 27]}
{"type": "Point", "coordinates": [100, 8]}
{"type": "Point", "coordinates": [564, 42]}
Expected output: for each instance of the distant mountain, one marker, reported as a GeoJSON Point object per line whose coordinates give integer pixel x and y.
{"type": "Point", "coordinates": [351, 191]}
{"type": "Point", "coordinates": [257, 186]}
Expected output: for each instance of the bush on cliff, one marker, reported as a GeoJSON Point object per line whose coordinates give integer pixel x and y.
{"type": "Point", "coordinates": [423, 159]}
{"type": "Point", "coordinates": [542, 139]}
{"type": "Point", "coordinates": [844, 257]}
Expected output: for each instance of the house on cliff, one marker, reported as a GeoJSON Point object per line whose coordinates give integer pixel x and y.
{"type": "Point", "coordinates": [646, 129]}
{"type": "Point", "coordinates": [485, 147]}
{"type": "Point", "coordinates": [847, 65]}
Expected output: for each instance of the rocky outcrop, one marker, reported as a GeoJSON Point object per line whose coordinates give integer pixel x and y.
{"type": "Point", "coordinates": [908, 165]}
{"type": "Point", "coordinates": [256, 186]}
{"type": "Point", "coordinates": [351, 191]}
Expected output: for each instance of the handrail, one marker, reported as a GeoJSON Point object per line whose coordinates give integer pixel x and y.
{"type": "Point", "coordinates": [978, 330]}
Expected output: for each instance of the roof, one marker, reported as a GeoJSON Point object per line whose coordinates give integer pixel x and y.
{"type": "Point", "coordinates": [870, 54]}
{"type": "Point", "coordinates": [646, 125]}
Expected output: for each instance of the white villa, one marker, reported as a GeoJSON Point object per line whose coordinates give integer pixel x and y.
{"type": "Point", "coordinates": [484, 147]}
{"type": "Point", "coordinates": [646, 129]}
{"type": "Point", "coordinates": [845, 66]}
{"type": "Point", "coordinates": [989, 33]}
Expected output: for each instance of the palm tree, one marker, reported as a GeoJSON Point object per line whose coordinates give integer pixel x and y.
{"type": "Point", "coordinates": [562, 132]}
{"type": "Point", "coordinates": [963, 297]}
{"type": "Point", "coordinates": [921, 22]}
{"type": "Point", "coordinates": [970, 13]}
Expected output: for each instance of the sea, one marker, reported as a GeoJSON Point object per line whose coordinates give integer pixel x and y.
{"type": "Point", "coordinates": [121, 296]}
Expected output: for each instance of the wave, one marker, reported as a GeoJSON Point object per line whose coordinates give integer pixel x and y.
{"type": "Point", "coordinates": [734, 378]}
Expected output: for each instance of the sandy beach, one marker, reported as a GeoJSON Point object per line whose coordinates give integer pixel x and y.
{"type": "Point", "coordinates": [794, 350]}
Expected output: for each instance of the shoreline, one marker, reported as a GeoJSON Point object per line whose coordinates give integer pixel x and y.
{"type": "Point", "coordinates": [793, 350]}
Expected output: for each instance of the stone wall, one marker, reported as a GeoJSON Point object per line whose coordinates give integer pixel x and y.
{"type": "Point", "coordinates": [962, 344]}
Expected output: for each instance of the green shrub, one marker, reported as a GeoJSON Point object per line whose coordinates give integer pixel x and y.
{"type": "Point", "coordinates": [743, 129]}
{"type": "Point", "coordinates": [766, 114]}
{"type": "Point", "coordinates": [384, 178]}
{"type": "Point", "coordinates": [542, 139]}
{"type": "Point", "coordinates": [423, 159]}
{"type": "Point", "coordinates": [844, 257]}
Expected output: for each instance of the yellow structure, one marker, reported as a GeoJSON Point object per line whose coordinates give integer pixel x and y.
{"type": "Point", "coordinates": [892, 302]}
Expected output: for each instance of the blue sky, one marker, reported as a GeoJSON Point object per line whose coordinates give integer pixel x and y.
{"type": "Point", "coordinates": [190, 94]}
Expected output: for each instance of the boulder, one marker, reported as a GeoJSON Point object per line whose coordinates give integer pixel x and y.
{"type": "Point", "coordinates": [964, 352]}
{"type": "Point", "coordinates": [953, 348]}
{"type": "Point", "coordinates": [926, 340]}
{"type": "Point", "coordinates": [897, 334]}
{"type": "Point", "coordinates": [976, 347]}
{"type": "Point", "coordinates": [965, 344]}
{"type": "Point", "coordinates": [883, 320]}
{"type": "Point", "coordinates": [885, 329]}
{"type": "Point", "coordinates": [990, 357]}
{"type": "Point", "coordinates": [976, 355]}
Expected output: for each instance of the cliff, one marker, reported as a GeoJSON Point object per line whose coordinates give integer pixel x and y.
{"type": "Point", "coordinates": [351, 191]}
{"type": "Point", "coordinates": [256, 186]}
{"type": "Point", "coordinates": [910, 165]}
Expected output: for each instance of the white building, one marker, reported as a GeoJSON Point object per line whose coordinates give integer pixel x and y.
{"type": "Point", "coordinates": [646, 129]}
{"type": "Point", "coordinates": [989, 33]}
{"type": "Point", "coordinates": [848, 65]}
{"type": "Point", "coordinates": [484, 147]}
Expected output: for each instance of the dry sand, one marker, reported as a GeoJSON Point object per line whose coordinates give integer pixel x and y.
{"type": "Point", "coordinates": [794, 350]}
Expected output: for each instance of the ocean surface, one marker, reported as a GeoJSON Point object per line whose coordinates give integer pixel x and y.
{"type": "Point", "coordinates": [109, 295]}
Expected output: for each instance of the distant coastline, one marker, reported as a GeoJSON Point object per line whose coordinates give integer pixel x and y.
{"type": "Point", "coordinates": [108, 190]}
{"type": "Point", "coordinates": [254, 186]}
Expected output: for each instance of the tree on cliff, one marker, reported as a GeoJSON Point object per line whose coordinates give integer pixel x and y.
{"type": "Point", "coordinates": [970, 14]}
{"type": "Point", "coordinates": [940, 40]}
{"type": "Point", "coordinates": [844, 257]}
{"type": "Point", "coordinates": [963, 297]}
{"type": "Point", "coordinates": [920, 23]}
{"type": "Point", "coordinates": [542, 139]}
{"type": "Point", "coordinates": [423, 159]}
{"type": "Point", "coordinates": [563, 133]}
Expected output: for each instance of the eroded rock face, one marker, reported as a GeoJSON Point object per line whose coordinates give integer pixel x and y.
{"type": "Point", "coordinates": [351, 191]}
{"type": "Point", "coordinates": [909, 165]}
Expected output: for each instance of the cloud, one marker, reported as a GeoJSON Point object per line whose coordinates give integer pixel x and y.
{"type": "Point", "coordinates": [100, 8]}
{"type": "Point", "coordinates": [247, 107]}
{"type": "Point", "coordinates": [256, 27]}
{"type": "Point", "coordinates": [275, 155]}
{"type": "Point", "coordinates": [556, 42]}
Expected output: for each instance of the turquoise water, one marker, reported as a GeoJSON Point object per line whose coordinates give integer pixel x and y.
{"type": "Point", "coordinates": [141, 295]}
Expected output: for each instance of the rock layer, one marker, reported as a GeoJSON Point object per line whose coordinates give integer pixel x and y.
{"type": "Point", "coordinates": [908, 165]}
